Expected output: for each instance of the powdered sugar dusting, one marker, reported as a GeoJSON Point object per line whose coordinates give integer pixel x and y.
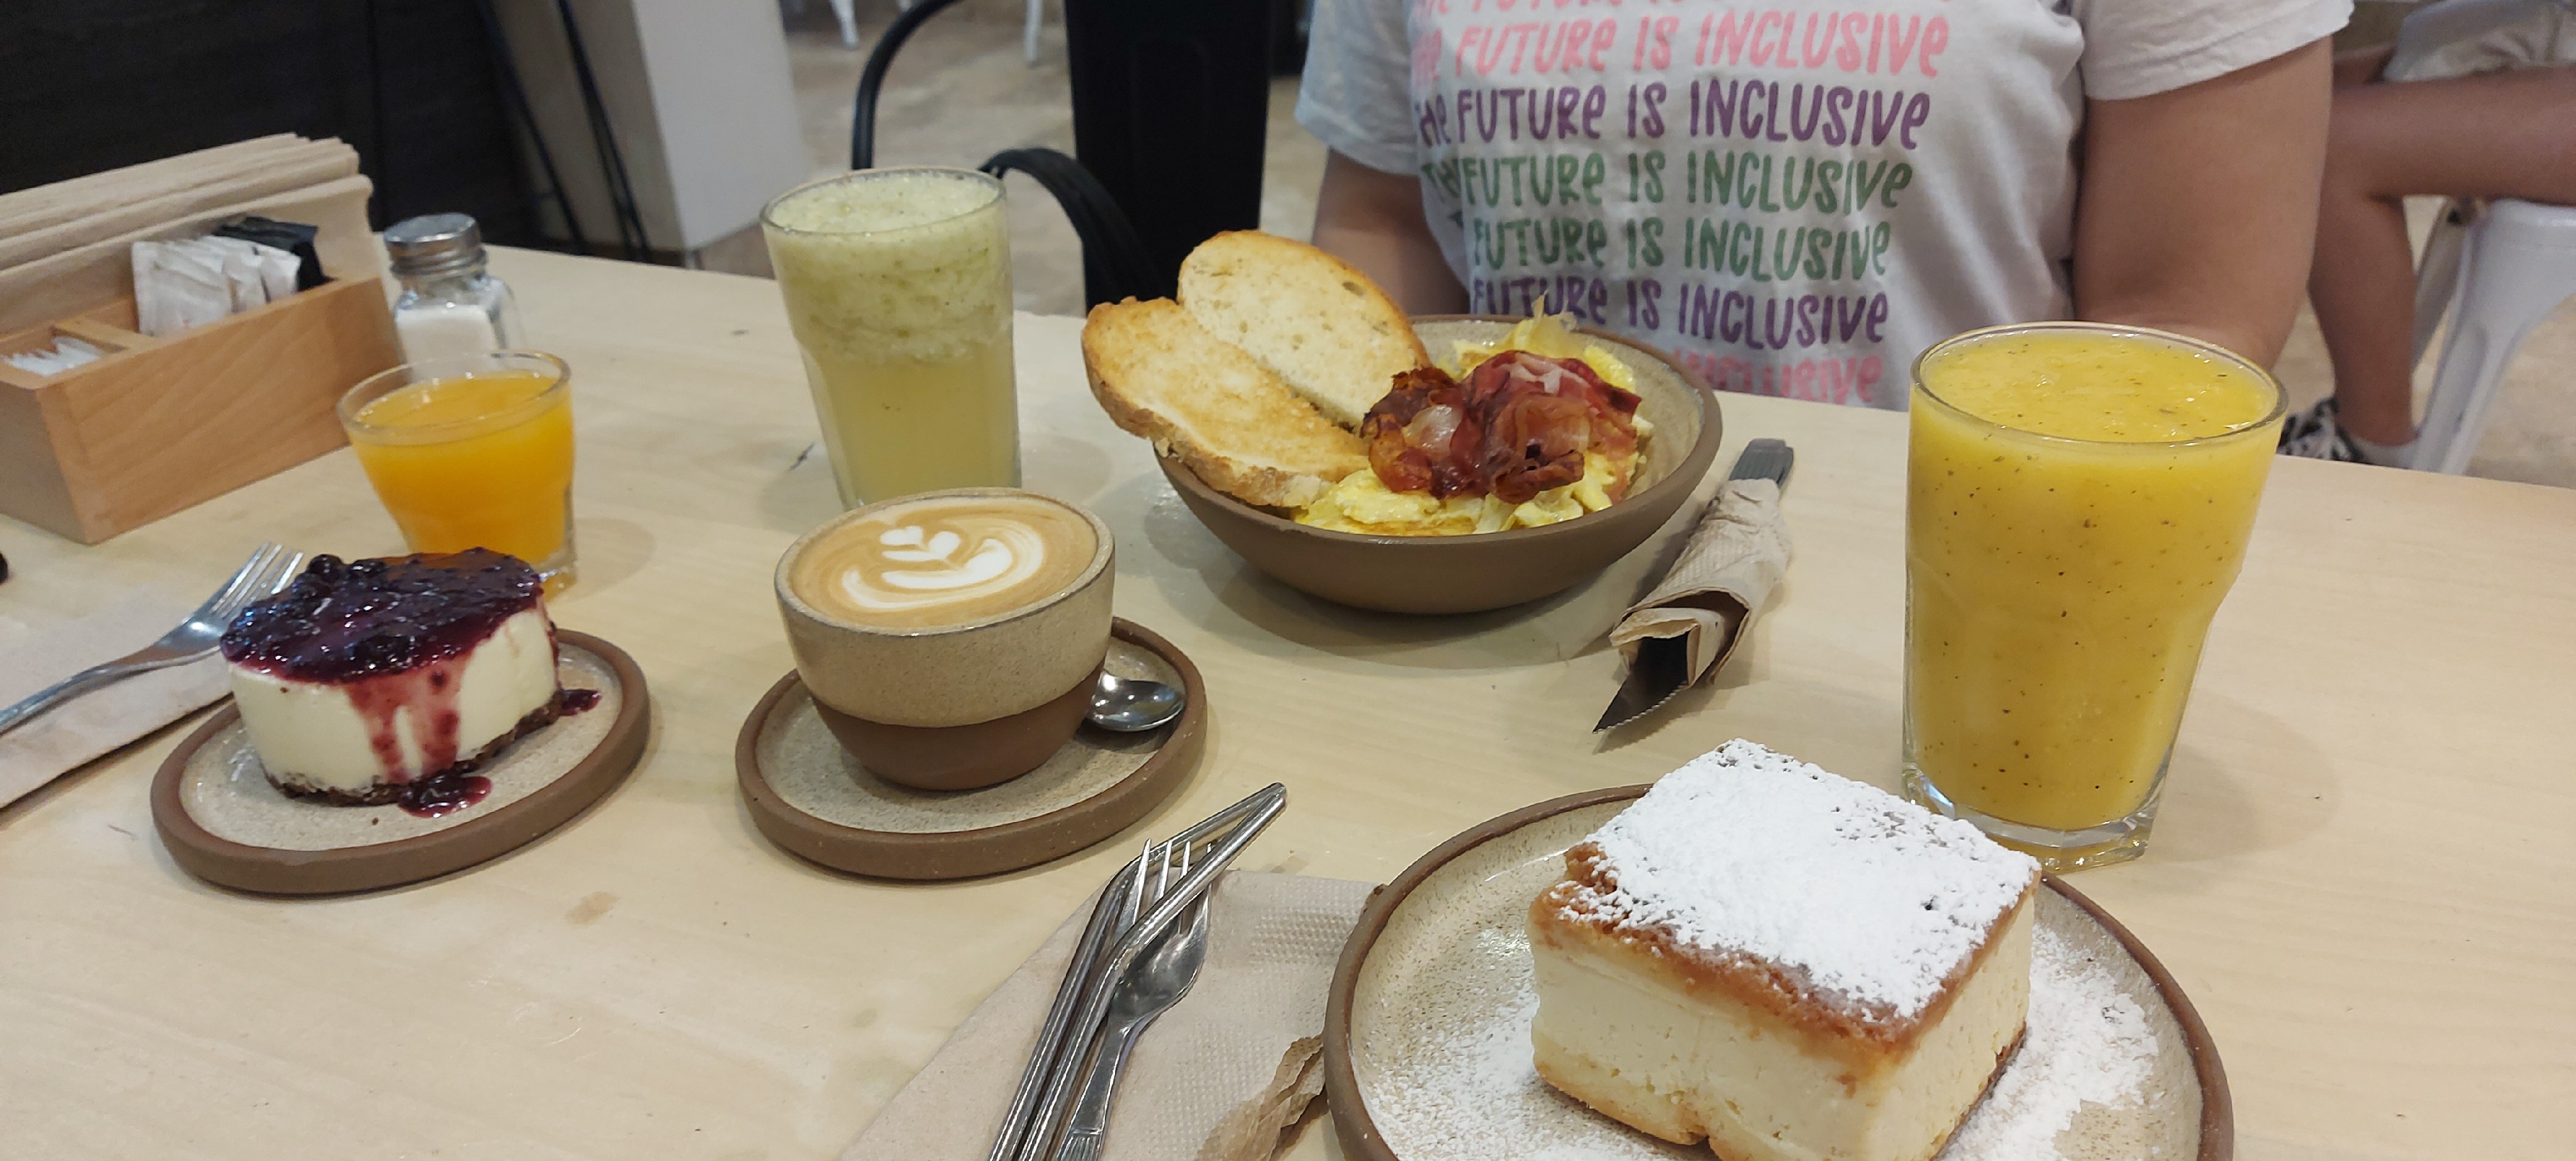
{"type": "Point", "coordinates": [1744, 851]}
{"type": "Point", "coordinates": [2087, 1042]}
{"type": "Point", "coordinates": [1477, 1095]}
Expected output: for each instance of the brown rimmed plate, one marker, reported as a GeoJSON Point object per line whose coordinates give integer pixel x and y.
{"type": "Point", "coordinates": [1492, 570]}
{"type": "Point", "coordinates": [224, 823]}
{"type": "Point", "coordinates": [1426, 1032]}
{"type": "Point", "coordinates": [810, 797]}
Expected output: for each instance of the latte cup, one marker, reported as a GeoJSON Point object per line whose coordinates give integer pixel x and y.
{"type": "Point", "coordinates": [951, 639]}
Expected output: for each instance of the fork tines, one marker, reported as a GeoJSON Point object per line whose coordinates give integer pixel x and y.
{"type": "Point", "coordinates": [271, 567]}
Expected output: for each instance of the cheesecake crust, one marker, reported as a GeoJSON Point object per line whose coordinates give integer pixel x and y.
{"type": "Point", "coordinates": [386, 793]}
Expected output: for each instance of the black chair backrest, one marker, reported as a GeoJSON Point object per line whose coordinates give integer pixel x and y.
{"type": "Point", "coordinates": [1171, 106]}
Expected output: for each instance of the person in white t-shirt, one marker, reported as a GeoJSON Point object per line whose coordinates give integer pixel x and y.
{"type": "Point", "coordinates": [1797, 200]}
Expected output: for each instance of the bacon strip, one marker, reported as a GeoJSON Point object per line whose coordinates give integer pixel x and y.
{"type": "Point", "coordinates": [1518, 426]}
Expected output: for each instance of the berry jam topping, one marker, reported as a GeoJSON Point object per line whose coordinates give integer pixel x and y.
{"type": "Point", "coordinates": [574, 701]}
{"type": "Point", "coordinates": [346, 622]}
{"type": "Point", "coordinates": [442, 793]}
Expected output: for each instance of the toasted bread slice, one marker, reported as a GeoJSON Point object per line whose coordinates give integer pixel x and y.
{"type": "Point", "coordinates": [1161, 375]}
{"type": "Point", "coordinates": [1312, 319]}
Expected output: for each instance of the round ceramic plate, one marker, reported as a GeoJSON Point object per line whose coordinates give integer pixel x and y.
{"type": "Point", "coordinates": [222, 820]}
{"type": "Point", "coordinates": [1427, 1049]}
{"type": "Point", "coordinates": [809, 796]}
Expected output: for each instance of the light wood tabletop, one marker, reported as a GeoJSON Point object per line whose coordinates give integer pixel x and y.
{"type": "Point", "coordinates": [2364, 874]}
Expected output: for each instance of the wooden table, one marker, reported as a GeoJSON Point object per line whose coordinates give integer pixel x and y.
{"type": "Point", "coordinates": [2364, 873]}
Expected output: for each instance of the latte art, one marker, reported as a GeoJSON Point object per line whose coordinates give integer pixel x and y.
{"type": "Point", "coordinates": [945, 561]}
{"type": "Point", "coordinates": [937, 572]}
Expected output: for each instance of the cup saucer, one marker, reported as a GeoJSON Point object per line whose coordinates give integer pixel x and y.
{"type": "Point", "coordinates": [811, 798]}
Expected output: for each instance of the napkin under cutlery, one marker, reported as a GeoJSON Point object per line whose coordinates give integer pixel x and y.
{"type": "Point", "coordinates": [1693, 619]}
{"type": "Point", "coordinates": [69, 735]}
{"type": "Point", "coordinates": [1216, 1078]}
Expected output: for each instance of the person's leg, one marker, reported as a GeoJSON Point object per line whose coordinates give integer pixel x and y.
{"type": "Point", "coordinates": [2507, 134]}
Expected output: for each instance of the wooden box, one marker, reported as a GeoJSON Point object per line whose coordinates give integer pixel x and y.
{"type": "Point", "coordinates": [158, 425]}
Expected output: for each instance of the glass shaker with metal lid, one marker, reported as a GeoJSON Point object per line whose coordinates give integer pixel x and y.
{"type": "Point", "coordinates": [450, 304]}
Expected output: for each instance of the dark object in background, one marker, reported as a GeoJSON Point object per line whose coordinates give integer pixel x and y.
{"type": "Point", "coordinates": [1171, 106]}
{"type": "Point", "coordinates": [293, 237]}
{"type": "Point", "coordinates": [1289, 22]}
{"type": "Point", "coordinates": [410, 84]}
{"type": "Point", "coordinates": [4, 569]}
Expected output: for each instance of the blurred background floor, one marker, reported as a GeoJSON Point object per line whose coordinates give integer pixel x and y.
{"type": "Point", "coordinates": [961, 91]}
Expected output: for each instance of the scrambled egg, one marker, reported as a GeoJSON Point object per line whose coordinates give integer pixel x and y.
{"type": "Point", "coordinates": [1545, 335]}
{"type": "Point", "coordinates": [1363, 503]}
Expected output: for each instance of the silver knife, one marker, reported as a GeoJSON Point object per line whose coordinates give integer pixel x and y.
{"type": "Point", "coordinates": [1661, 667]}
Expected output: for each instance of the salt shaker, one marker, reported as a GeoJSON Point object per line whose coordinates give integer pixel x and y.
{"type": "Point", "coordinates": [450, 304]}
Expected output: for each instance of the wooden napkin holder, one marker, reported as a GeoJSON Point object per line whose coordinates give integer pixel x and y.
{"type": "Point", "coordinates": [157, 425]}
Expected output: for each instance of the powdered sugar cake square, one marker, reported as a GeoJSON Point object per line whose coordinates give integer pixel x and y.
{"type": "Point", "coordinates": [1782, 962]}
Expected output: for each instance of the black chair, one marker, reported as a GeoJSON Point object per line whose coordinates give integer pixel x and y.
{"type": "Point", "coordinates": [1171, 105]}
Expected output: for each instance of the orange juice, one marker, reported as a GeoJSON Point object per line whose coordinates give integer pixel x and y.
{"type": "Point", "coordinates": [476, 459]}
{"type": "Point", "coordinates": [2080, 499]}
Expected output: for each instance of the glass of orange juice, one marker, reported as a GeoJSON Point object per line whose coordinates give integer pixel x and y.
{"type": "Point", "coordinates": [473, 451]}
{"type": "Point", "coordinates": [2079, 498]}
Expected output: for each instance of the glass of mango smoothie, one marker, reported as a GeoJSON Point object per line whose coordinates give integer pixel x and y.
{"type": "Point", "coordinates": [473, 451]}
{"type": "Point", "coordinates": [2079, 500]}
{"type": "Point", "coordinates": [898, 289]}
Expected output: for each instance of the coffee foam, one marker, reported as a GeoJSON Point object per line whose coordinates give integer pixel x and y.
{"type": "Point", "coordinates": [950, 560]}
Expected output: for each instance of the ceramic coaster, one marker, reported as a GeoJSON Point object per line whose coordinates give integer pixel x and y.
{"type": "Point", "coordinates": [809, 796]}
{"type": "Point", "coordinates": [224, 822]}
{"type": "Point", "coordinates": [1427, 1049]}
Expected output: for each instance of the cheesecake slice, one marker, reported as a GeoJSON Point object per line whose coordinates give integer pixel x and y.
{"type": "Point", "coordinates": [1789, 965]}
{"type": "Point", "coordinates": [366, 678]}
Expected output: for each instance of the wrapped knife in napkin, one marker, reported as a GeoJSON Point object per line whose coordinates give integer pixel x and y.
{"type": "Point", "coordinates": [1214, 1079]}
{"type": "Point", "coordinates": [1688, 625]}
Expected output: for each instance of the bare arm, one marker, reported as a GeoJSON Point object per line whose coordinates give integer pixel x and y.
{"type": "Point", "coordinates": [1374, 221]}
{"type": "Point", "coordinates": [2199, 206]}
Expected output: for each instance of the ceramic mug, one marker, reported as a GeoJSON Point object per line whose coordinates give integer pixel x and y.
{"type": "Point", "coordinates": [951, 639]}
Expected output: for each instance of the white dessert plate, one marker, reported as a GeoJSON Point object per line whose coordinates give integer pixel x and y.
{"type": "Point", "coordinates": [1427, 1050]}
{"type": "Point", "coordinates": [809, 796]}
{"type": "Point", "coordinates": [224, 822]}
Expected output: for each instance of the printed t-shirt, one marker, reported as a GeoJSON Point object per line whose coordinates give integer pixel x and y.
{"type": "Point", "coordinates": [1794, 200]}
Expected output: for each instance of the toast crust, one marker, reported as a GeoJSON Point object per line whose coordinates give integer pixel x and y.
{"type": "Point", "coordinates": [1211, 406]}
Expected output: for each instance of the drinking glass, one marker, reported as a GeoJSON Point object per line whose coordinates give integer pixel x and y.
{"type": "Point", "coordinates": [2058, 589]}
{"type": "Point", "coordinates": [898, 289]}
{"type": "Point", "coordinates": [473, 451]}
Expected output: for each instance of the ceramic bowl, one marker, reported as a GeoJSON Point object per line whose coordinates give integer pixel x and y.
{"type": "Point", "coordinates": [1468, 574]}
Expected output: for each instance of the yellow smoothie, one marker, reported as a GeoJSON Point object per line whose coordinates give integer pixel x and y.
{"type": "Point", "coordinates": [898, 288]}
{"type": "Point", "coordinates": [2079, 504]}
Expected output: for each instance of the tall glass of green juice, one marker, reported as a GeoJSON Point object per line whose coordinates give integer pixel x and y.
{"type": "Point", "coordinates": [898, 289]}
{"type": "Point", "coordinates": [2080, 497]}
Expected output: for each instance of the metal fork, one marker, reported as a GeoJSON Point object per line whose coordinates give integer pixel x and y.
{"type": "Point", "coordinates": [268, 570]}
{"type": "Point", "coordinates": [1160, 977]}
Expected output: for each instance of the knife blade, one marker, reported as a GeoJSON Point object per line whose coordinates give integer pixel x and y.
{"type": "Point", "coordinates": [1661, 667]}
